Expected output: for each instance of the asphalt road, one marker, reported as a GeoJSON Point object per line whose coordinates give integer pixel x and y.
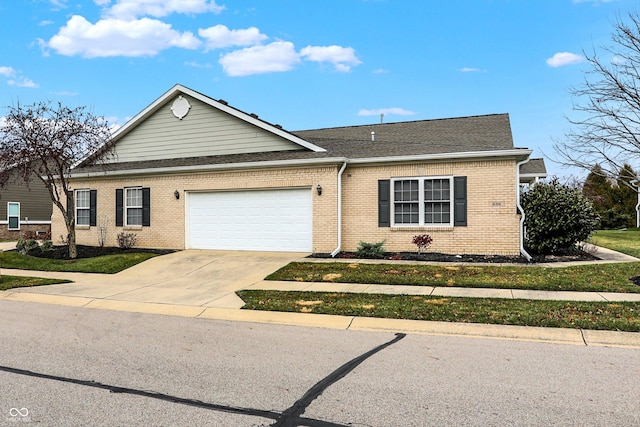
{"type": "Point", "coordinates": [77, 366]}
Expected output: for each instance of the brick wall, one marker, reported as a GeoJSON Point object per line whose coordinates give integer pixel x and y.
{"type": "Point", "coordinates": [167, 228]}
{"type": "Point", "coordinates": [492, 222]}
{"type": "Point", "coordinates": [39, 229]}
{"type": "Point", "coordinates": [493, 225]}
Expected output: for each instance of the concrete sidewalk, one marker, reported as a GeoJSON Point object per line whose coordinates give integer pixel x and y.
{"type": "Point", "coordinates": [203, 283]}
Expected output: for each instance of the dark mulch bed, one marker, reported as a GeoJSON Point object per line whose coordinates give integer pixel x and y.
{"type": "Point", "coordinates": [62, 252]}
{"type": "Point", "coordinates": [576, 255]}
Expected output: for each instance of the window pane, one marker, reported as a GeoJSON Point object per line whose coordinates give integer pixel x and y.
{"type": "Point", "coordinates": [14, 209]}
{"type": "Point", "coordinates": [134, 197]}
{"type": "Point", "coordinates": [437, 189]}
{"type": "Point", "coordinates": [13, 223]}
{"type": "Point", "coordinates": [406, 213]}
{"type": "Point", "coordinates": [82, 199]}
{"type": "Point", "coordinates": [405, 191]}
{"type": "Point", "coordinates": [82, 217]}
{"type": "Point", "coordinates": [134, 216]}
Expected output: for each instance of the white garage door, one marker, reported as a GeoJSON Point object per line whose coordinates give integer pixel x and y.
{"type": "Point", "coordinates": [261, 220]}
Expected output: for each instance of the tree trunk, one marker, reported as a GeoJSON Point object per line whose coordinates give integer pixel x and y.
{"type": "Point", "coordinates": [73, 250]}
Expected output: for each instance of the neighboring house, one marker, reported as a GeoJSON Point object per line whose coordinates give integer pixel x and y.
{"type": "Point", "coordinates": [531, 173]}
{"type": "Point", "coordinates": [193, 172]}
{"type": "Point", "coordinates": [24, 208]}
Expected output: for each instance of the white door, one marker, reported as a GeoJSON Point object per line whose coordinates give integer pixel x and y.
{"type": "Point", "coordinates": [261, 220]}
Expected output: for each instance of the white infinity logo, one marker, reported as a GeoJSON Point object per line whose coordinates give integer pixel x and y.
{"type": "Point", "coordinates": [14, 412]}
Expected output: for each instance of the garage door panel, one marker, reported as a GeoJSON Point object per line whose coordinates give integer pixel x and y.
{"type": "Point", "coordinates": [268, 220]}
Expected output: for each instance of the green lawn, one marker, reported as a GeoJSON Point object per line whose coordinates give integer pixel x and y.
{"type": "Point", "coordinates": [107, 264]}
{"type": "Point", "coordinates": [622, 316]}
{"type": "Point", "coordinates": [593, 277]}
{"type": "Point", "coordinates": [9, 282]}
{"type": "Point", "coordinates": [625, 241]}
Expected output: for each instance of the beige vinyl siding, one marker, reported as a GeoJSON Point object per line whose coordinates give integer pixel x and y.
{"type": "Point", "coordinates": [205, 131]}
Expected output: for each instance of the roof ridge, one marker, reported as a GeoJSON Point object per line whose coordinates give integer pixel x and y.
{"type": "Point", "coordinates": [403, 122]}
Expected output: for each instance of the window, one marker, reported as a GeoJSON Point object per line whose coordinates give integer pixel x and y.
{"type": "Point", "coordinates": [423, 201]}
{"type": "Point", "coordinates": [83, 207]}
{"type": "Point", "coordinates": [133, 206]}
{"type": "Point", "coordinates": [13, 215]}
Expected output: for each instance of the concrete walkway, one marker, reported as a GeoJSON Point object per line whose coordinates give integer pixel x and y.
{"type": "Point", "coordinates": [203, 284]}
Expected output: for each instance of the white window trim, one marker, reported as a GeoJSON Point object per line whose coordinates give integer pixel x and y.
{"type": "Point", "coordinates": [127, 207]}
{"type": "Point", "coordinates": [421, 201]}
{"type": "Point", "coordinates": [88, 208]}
{"type": "Point", "coordinates": [10, 216]}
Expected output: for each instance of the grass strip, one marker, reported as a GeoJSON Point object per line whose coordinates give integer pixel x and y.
{"type": "Point", "coordinates": [585, 278]}
{"type": "Point", "coordinates": [10, 282]}
{"type": "Point", "coordinates": [107, 264]}
{"type": "Point", "coordinates": [625, 241]}
{"type": "Point", "coordinates": [619, 316]}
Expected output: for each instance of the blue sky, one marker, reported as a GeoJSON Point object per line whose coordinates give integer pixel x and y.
{"type": "Point", "coordinates": [312, 64]}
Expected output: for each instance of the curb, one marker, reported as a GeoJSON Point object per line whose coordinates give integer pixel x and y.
{"type": "Point", "coordinates": [370, 324]}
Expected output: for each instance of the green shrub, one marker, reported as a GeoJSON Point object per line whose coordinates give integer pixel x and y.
{"type": "Point", "coordinates": [557, 217]}
{"type": "Point", "coordinates": [46, 246]}
{"type": "Point", "coordinates": [370, 250]}
{"type": "Point", "coordinates": [25, 245]}
{"type": "Point", "coordinates": [126, 240]}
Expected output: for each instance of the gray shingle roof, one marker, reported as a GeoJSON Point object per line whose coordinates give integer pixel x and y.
{"type": "Point", "coordinates": [422, 137]}
{"type": "Point", "coordinates": [534, 167]}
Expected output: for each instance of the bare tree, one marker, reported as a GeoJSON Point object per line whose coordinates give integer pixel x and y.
{"type": "Point", "coordinates": [43, 141]}
{"type": "Point", "coordinates": [606, 131]}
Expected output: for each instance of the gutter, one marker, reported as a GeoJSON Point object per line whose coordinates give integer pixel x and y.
{"type": "Point", "coordinates": [339, 247]}
{"type": "Point", "coordinates": [522, 214]}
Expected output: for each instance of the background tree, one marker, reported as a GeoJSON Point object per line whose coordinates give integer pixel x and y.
{"type": "Point", "coordinates": [557, 217]}
{"type": "Point", "coordinates": [606, 131]}
{"type": "Point", "coordinates": [42, 141]}
{"type": "Point", "coordinates": [614, 201]}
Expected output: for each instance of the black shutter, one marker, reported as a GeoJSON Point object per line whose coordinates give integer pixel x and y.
{"type": "Point", "coordinates": [146, 207]}
{"type": "Point", "coordinates": [384, 203]}
{"type": "Point", "coordinates": [460, 201]}
{"type": "Point", "coordinates": [119, 207]}
{"type": "Point", "coordinates": [93, 196]}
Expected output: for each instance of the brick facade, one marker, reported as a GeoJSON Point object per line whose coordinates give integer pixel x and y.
{"type": "Point", "coordinates": [41, 230]}
{"type": "Point", "coordinates": [168, 227]}
{"type": "Point", "coordinates": [492, 226]}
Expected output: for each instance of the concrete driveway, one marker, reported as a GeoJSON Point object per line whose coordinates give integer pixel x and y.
{"type": "Point", "coordinates": [190, 277]}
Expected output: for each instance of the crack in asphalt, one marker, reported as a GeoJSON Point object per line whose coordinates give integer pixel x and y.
{"type": "Point", "coordinates": [290, 417]}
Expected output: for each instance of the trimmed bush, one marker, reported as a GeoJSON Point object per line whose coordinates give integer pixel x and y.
{"type": "Point", "coordinates": [557, 217]}
{"type": "Point", "coordinates": [370, 250]}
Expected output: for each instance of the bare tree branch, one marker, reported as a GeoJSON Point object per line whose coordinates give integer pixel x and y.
{"type": "Point", "coordinates": [606, 128]}
{"type": "Point", "coordinates": [43, 141]}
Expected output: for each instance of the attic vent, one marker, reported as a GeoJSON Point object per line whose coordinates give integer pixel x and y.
{"type": "Point", "coordinates": [278, 126]}
{"type": "Point", "coordinates": [254, 115]}
{"type": "Point", "coordinates": [373, 136]}
{"type": "Point", "coordinates": [223, 102]}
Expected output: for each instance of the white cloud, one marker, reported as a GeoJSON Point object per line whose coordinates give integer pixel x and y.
{"type": "Point", "coordinates": [469, 70]}
{"type": "Point", "coordinates": [7, 71]}
{"type": "Point", "coordinates": [115, 37]}
{"type": "Point", "coordinates": [219, 36]}
{"type": "Point", "coordinates": [380, 71]}
{"type": "Point", "coordinates": [64, 93]}
{"type": "Point", "coordinates": [342, 58]}
{"type": "Point", "coordinates": [195, 64]}
{"type": "Point", "coordinates": [131, 9]}
{"type": "Point", "coordinates": [386, 111]}
{"type": "Point", "coordinates": [16, 78]}
{"type": "Point", "coordinates": [44, 23]}
{"type": "Point", "coordinates": [274, 57]}
{"type": "Point", "coordinates": [22, 81]}
{"type": "Point", "coordinates": [561, 59]}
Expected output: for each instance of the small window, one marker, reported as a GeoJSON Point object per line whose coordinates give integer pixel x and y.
{"type": "Point", "coordinates": [133, 206]}
{"type": "Point", "coordinates": [13, 215]}
{"type": "Point", "coordinates": [83, 207]}
{"type": "Point", "coordinates": [423, 201]}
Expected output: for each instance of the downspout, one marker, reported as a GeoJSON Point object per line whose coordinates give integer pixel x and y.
{"type": "Point", "coordinates": [522, 214]}
{"type": "Point", "coordinates": [339, 247]}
